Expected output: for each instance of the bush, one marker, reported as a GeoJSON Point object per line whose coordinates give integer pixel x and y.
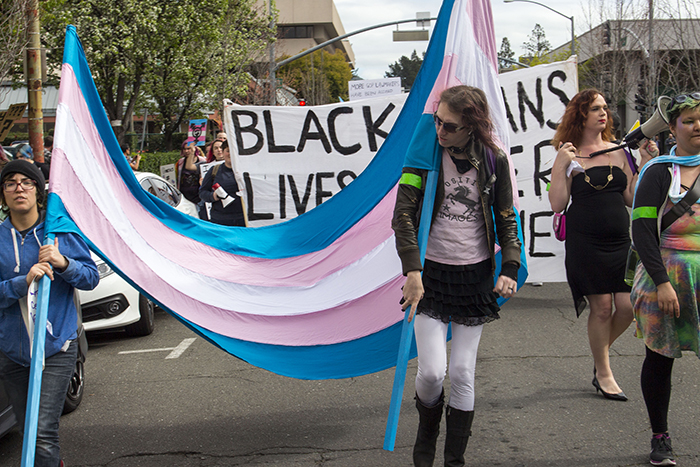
{"type": "Point", "coordinates": [12, 137]}
{"type": "Point", "coordinates": [151, 161]}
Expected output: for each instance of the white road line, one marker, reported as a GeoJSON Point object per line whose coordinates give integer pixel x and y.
{"type": "Point", "coordinates": [181, 348]}
{"type": "Point", "coordinates": [146, 350]}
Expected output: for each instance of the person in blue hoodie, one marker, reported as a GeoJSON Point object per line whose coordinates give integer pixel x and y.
{"type": "Point", "coordinates": [23, 259]}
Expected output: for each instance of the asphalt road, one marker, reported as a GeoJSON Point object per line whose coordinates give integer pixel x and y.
{"type": "Point", "coordinates": [535, 403]}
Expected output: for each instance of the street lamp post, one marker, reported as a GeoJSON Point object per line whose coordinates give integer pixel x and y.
{"type": "Point", "coordinates": [570, 18]}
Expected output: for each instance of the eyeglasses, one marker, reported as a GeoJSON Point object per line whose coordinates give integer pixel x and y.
{"type": "Point", "coordinates": [12, 186]}
{"type": "Point", "coordinates": [448, 127]}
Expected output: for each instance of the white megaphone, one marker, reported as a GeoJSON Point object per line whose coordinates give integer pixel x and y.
{"type": "Point", "coordinates": [656, 124]}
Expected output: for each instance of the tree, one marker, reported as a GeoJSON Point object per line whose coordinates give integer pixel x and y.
{"type": "Point", "coordinates": [505, 52]}
{"type": "Point", "coordinates": [13, 34]}
{"type": "Point", "coordinates": [320, 78]}
{"type": "Point", "coordinates": [537, 44]}
{"type": "Point", "coordinates": [163, 55]}
{"type": "Point", "coordinates": [406, 68]}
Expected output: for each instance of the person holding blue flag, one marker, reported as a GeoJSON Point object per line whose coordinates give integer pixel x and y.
{"type": "Point", "coordinates": [24, 260]}
{"type": "Point", "coordinates": [665, 292]}
{"type": "Point", "coordinates": [473, 206]}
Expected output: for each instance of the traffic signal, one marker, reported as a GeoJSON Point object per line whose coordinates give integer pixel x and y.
{"type": "Point", "coordinates": [606, 33]}
{"type": "Point", "coordinates": [640, 98]}
{"type": "Point", "coordinates": [302, 102]}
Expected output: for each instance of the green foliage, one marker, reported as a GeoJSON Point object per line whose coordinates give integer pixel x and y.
{"type": "Point", "coordinates": [151, 161]}
{"type": "Point", "coordinates": [176, 58]}
{"type": "Point", "coordinates": [320, 78]}
{"type": "Point", "coordinates": [15, 137]}
{"type": "Point", "coordinates": [406, 68]}
{"type": "Point", "coordinates": [505, 52]}
{"type": "Point", "coordinates": [536, 46]}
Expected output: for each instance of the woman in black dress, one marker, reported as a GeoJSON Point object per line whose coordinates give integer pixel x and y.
{"type": "Point", "coordinates": [597, 230]}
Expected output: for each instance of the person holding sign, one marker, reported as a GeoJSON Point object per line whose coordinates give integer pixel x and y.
{"type": "Point", "coordinates": [188, 171]}
{"type": "Point", "coordinates": [24, 260]}
{"type": "Point", "coordinates": [457, 285]}
{"type": "Point", "coordinates": [597, 224]}
{"type": "Point", "coordinates": [665, 292]}
{"type": "Point", "coordinates": [220, 188]}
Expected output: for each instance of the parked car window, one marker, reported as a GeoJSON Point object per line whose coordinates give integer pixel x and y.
{"type": "Point", "coordinates": [160, 189]}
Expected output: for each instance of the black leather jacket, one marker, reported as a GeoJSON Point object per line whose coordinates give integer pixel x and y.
{"type": "Point", "coordinates": [494, 192]}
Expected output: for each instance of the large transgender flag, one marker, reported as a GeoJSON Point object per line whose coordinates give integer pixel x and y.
{"type": "Point", "coordinates": [316, 297]}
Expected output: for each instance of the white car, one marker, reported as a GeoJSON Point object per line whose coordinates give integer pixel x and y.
{"type": "Point", "coordinates": [114, 303]}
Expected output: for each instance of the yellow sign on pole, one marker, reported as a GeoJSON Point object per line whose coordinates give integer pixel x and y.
{"type": "Point", "coordinates": [8, 117]}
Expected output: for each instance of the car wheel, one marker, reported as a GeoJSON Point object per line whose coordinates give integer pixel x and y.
{"type": "Point", "coordinates": [75, 388]}
{"type": "Point", "coordinates": [145, 325]}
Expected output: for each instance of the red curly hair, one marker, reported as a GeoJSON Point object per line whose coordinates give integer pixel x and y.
{"type": "Point", "coordinates": [570, 129]}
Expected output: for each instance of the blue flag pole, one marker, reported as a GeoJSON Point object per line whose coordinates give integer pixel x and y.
{"type": "Point", "coordinates": [31, 419]}
{"type": "Point", "coordinates": [392, 422]}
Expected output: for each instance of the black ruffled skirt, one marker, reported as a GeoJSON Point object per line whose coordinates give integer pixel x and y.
{"type": "Point", "coordinates": [461, 294]}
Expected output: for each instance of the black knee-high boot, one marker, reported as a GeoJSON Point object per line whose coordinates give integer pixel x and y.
{"type": "Point", "coordinates": [459, 426]}
{"type": "Point", "coordinates": [428, 430]}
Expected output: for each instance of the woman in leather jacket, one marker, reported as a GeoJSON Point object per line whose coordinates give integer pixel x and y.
{"type": "Point", "coordinates": [473, 205]}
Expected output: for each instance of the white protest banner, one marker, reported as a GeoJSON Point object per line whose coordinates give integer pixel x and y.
{"type": "Point", "coordinates": [535, 100]}
{"type": "Point", "coordinates": [371, 88]}
{"type": "Point", "coordinates": [291, 159]}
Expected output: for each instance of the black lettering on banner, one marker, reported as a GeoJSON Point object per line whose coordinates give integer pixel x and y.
{"type": "Point", "coordinates": [540, 176]}
{"type": "Point", "coordinates": [534, 234]}
{"type": "Point", "coordinates": [509, 114]}
{"type": "Point", "coordinates": [252, 216]}
{"type": "Point", "coordinates": [269, 129]}
{"type": "Point", "coordinates": [283, 197]}
{"type": "Point", "coordinates": [344, 150]}
{"type": "Point", "coordinates": [523, 99]}
{"type": "Point", "coordinates": [299, 204]}
{"type": "Point", "coordinates": [373, 127]}
{"type": "Point", "coordinates": [341, 177]}
{"type": "Point", "coordinates": [557, 92]}
{"type": "Point", "coordinates": [517, 150]}
{"type": "Point", "coordinates": [239, 130]}
{"type": "Point", "coordinates": [320, 194]}
{"type": "Point", "coordinates": [306, 134]}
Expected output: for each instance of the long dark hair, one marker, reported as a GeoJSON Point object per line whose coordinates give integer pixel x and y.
{"type": "Point", "coordinates": [472, 105]}
{"type": "Point", "coordinates": [571, 127]}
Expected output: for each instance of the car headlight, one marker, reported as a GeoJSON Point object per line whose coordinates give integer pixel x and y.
{"type": "Point", "coordinates": [103, 269]}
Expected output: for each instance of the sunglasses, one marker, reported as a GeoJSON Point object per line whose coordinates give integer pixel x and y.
{"type": "Point", "coordinates": [448, 127]}
{"type": "Point", "coordinates": [679, 99]}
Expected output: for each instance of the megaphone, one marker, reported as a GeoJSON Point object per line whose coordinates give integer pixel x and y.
{"type": "Point", "coordinates": [655, 125]}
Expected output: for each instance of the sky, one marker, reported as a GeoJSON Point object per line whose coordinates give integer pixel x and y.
{"type": "Point", "coordinates": [374, 50]}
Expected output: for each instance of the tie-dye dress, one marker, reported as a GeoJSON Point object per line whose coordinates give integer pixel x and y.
{"type": "Point", "coordinates": [679, 249]}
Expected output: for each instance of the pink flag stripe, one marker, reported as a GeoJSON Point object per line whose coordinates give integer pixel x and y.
{"type": "Point", "coordinates": [299, 271]}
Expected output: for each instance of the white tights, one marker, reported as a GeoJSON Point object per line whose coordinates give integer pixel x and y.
{"type": "Point", "coordinates": [431, 340]}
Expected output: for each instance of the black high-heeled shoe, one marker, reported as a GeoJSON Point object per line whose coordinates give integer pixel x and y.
{"type": "Point", "coordinates": [620, 396]}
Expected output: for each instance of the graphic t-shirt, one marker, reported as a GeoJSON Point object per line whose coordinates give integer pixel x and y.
{"type": "Point", "coordinates": [458, 233]}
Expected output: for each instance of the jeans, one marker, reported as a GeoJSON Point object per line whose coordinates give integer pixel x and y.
{"type": "Point", "coordinates": [54, 386]}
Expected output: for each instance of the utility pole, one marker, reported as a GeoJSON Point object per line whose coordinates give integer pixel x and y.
{"type": "Point", "coordinates": [36, 114]}
{"type": "Point", "coordinates": [273, 65]}
{"type": "Point", "coordinates": [652, 57]}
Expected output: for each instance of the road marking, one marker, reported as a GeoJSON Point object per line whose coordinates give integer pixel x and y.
{"type": "Point", "coordinates": [181, 348]}
{"type": "Point", "coordinates": [175, 352]}
{"type": "Point", "coordinates": [146, 350]}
